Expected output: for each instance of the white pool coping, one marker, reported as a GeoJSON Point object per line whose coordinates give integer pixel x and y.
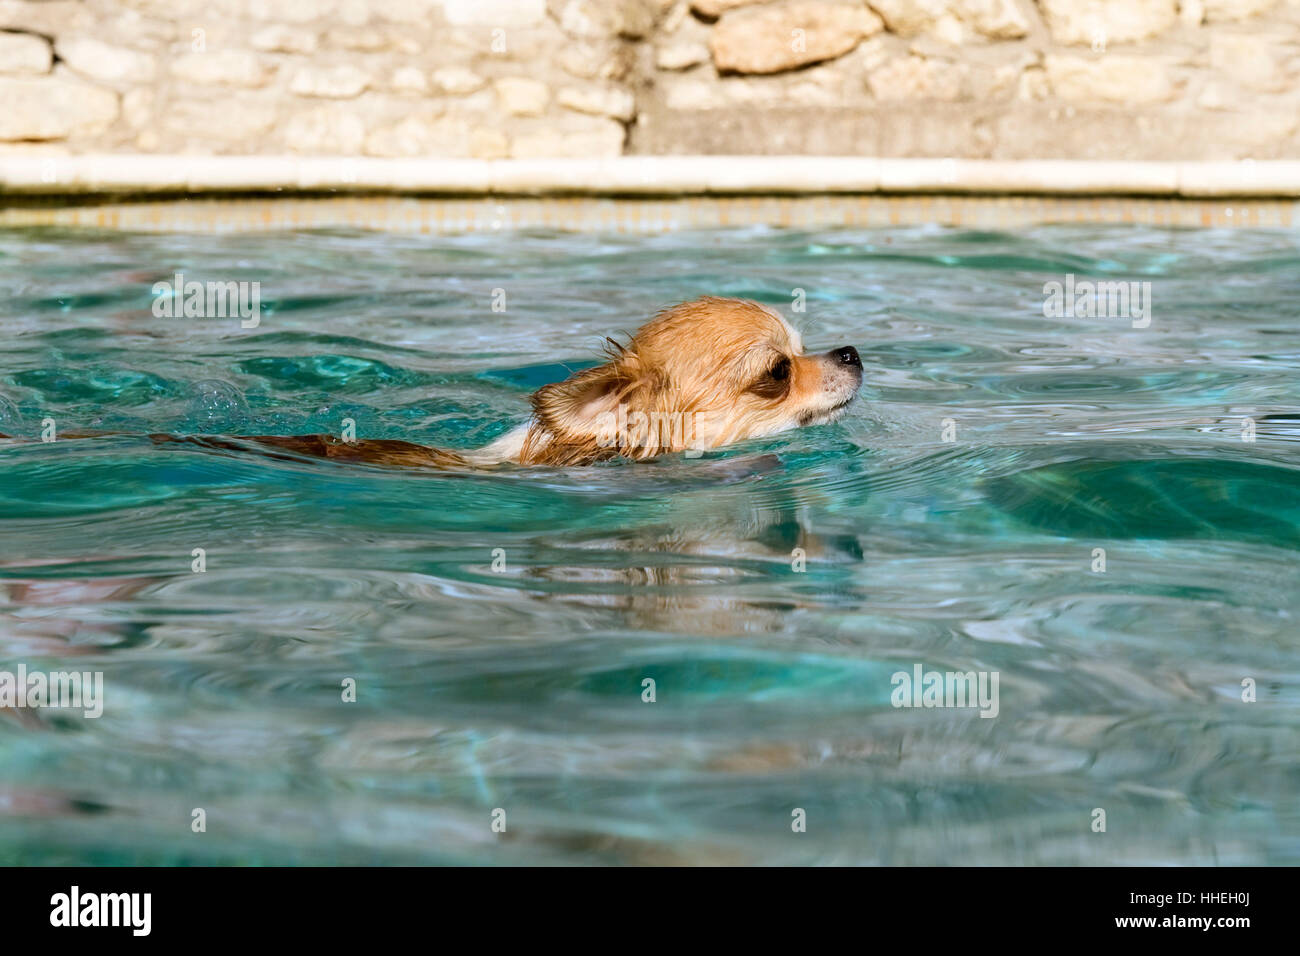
{"type": "Point", "coordinates": [56, 175]}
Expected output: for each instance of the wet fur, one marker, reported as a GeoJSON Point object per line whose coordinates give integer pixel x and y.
{"type": "Point", "coordinates": [708, 360]}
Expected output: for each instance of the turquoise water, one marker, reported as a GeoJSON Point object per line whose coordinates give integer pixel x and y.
{"type": "Point", "coordinates": [519, 687]}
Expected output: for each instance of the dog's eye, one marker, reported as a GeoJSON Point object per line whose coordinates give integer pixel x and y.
{"type": "Point", "coordinates": [775, 381]}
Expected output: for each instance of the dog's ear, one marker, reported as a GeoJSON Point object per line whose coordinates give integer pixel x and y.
{"type": "Point", "coordinates": [586, 415]}
{"type": "Point", "coordinates": [571, 409]}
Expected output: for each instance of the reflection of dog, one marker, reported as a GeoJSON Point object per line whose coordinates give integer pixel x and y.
{"type": "Point", "coordinates": [721, 563]}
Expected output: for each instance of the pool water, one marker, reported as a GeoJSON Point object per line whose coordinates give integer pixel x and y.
{"type": "Point", "coordinates": [1070, 503]}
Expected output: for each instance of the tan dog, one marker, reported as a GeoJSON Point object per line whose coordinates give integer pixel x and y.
{"type": "Point", "coordinates": [700, 375]}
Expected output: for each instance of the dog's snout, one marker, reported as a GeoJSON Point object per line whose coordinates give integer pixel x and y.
{"type": "Point", "coordinates": [847, 355]}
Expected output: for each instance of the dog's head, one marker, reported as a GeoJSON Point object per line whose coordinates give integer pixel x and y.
{"type": "Point", "coordinates": [699, 375]}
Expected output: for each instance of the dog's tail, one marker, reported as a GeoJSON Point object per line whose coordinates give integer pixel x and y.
{"type": "Point", "coordinates": [370, 451]}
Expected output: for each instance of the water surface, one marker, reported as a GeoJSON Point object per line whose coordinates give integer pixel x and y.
{"type": "Point", "coordinates": [499, 627]}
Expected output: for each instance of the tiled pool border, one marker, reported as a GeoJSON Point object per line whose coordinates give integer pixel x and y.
{"type": "Point", "coordinates": [632, 194]}
{"type": "Point", "coordinates": [426, 215]}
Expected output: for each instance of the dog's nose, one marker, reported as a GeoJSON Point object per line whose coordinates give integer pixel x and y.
{"type": "Point", "coordinates": [847, 355]}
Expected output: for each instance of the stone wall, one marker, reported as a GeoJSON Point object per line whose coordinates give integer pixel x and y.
{"type": "Point", "coordinates": [1113, 79]}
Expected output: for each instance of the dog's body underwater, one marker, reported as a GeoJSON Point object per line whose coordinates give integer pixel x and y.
{"type": "Point", "coordinates": [699, 375]}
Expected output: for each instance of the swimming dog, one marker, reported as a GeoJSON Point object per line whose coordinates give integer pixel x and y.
{"type": "Point", "coordinates": [699, 375]}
